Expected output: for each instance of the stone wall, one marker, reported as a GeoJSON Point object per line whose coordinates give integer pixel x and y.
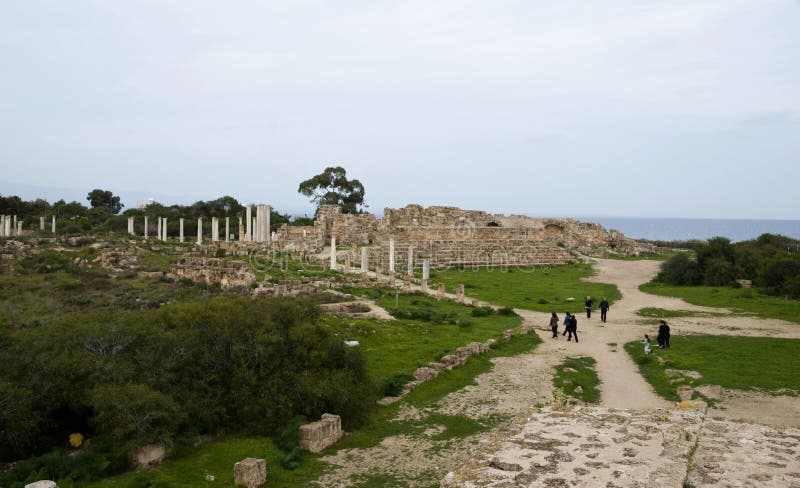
{"type": "Point", "coordinates": [226, 272]}
{"type": "Point", "coordinates": [317, 436]}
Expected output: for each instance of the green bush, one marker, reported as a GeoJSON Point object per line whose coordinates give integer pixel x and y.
{"type": "Point", "coordinates": [482, 311]}
{"type": "Point", "coordinates": [393, 385]}
{"type": "Point", "coordinates": [507, 311]}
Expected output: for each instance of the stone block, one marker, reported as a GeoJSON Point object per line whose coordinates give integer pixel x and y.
{"type": "Point", "coordinates": [150, 455]}
{"type": "Point", "coordinates": [425, 374]}
{"type": "Point", "coordinates": [42, 484]}
{"type": "Point", "coordinates": [250, 472]}
{"type": "Point", "coordinates": [317, 436]}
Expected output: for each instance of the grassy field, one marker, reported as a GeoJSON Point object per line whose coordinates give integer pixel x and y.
{"type": "Point", "coordinates": [738, 363]}
{"type": "Point", "coordinates": [661, 313]}
{"type": "Point", "coordinates": [743, 300]}
{"type": "Point", "coordinates": [218, 457]}
{"type": "Point", "coordinates": [575, 372]}
{"type": "Point", "coordinates": [544, 288]}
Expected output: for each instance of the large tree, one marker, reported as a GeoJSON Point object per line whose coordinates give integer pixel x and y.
{"type": "Point", "coordinates": [104, 198]}
{"type": "Point", "coordinates": [331, 187]}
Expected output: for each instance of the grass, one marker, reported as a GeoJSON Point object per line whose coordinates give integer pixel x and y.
{"type": "Point", "coordinates": [660, 313]}
{"type": "Point", "coordinates": [401, 346]}
{"type": "Point", "coordinates": [741, 300]}
{"type": "Point", "coordinates": [218, 457]}
{"type": "Point", "coordinates": [578, 371]}
{"type": "Point", "coordinates": [737, 363]}
{"type": "Point", "coordinates": [542, 288]}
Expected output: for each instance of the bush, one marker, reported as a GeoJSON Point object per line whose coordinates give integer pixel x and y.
{"type": "Point", "coordinates": [506, 311]}
{"type": "Point", "coordinates": [542, 301]}
{"type": "Point", "coordinates": [482, 311]}
{"type": "Point", "coordinates": [680, 270]}
{"type": "Point", "coordinates": [780, 276]}
{"type": "Point", "coordinates": [393, 385]}
{"type": "Point", "coordinates": [288, 437]}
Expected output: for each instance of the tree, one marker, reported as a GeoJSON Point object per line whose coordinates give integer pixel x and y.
{"type": "Point", "coordinates": [104, 198]}
{"type": "Point", "coordinates": [331, 187]}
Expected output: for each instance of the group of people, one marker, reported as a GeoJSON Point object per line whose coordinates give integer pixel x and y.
{"type": "Point", "coordinates": [663, 338]}
{"type": "Point", "coordinates": [571, 322]}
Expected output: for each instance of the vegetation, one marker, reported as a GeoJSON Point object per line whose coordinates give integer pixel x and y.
{"type": "Point", "coordinates": [738, 363]}
{"type": "Point", "coordinates": [543, 288]}
{"type": "Point", "coordinates": [578, 372]}
{"type": "Point", "coordinates": [771, 261]}
{"type": "Point", "coordinates": [331, 187]}
{"type": "Point", "coordinates": [741, 300]}
{"type": "Point", "coordinates": [660, 313]}
{"type": "Point", "coordinates": [105, 199]}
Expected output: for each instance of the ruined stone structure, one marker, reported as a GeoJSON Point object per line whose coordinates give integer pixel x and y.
{"type": "Point", "coordinates": [449, 236]}
{"type": "Point", "coordinates": [250, 473]}
{"type": "Point", "coordinates": [227, 273]}
{"type": "Point", "coordinates": [317, 436]}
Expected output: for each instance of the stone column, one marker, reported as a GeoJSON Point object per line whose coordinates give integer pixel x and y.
{"type": "Point", "coordinates": [14, 226]}
{"type": "Point", "coordinates": [364, 259]}
{"type": "Point", "coordinates": [158, 230]}
{"type": "Point", "coordinates": [410, 260]}
{"type": "Point", "coordinates": [424, 286]}
{"type": "Point", "coordinates": [391, 255]}
{"type": "Point", "coordinates": [273, 237]}
{"type": "Point", "coordinates": [53, 227]}
{"type": "Point", "coordinates": [164, 229]}
{"type": "Point", "coordinates": [199, 230]}
{"type": "Point", "coordinates": [460, 293]}
{"type": "Point", "coordinates": [241, 230]}
{"type": "Point", "coordinates": [347, 263]}
{"type": "Point", "coordinates": [180, 229]}
{"type": "Point", "coordinates": [440, 291]}
{"type": "Point", "coordinates": [130, 226]}
{"type": "Point", "coordinates": [333, 252]}
{"type": "Point", "coordinates": [214, 229]}
{"type": "Point", "coordinates": [253, 228]}
{"type": "Point", "coordinates": [426, 269]}
{"type": "Point", "coordinates": [41, 224]}
{"type": "Point", "coordinates": [262, 226]}
{"type": "Point", "coordinates": [2, 225]}
{"type": "Point", "coordinates": [145, 226]}
{"type": "Point", "coordinates": [227, 229]}
{"type": "Point", "coordinates": [248, 236]}
{"type": "Point", "coordinates": [19, 227]}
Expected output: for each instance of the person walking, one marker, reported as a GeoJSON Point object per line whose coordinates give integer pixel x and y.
{"type": "Point", "coordinates": [647, 349]}
{"type": "Point", "coordinates": [554, 325]}
{"type": "Point", "coordinates": [589, 302]}
{"type": "Point", "coordinates": [567, 321]}
{"type": "Point", "coordinates": [663, 335]}
{"type": "Point", "coordinates": [573, 328]}
{"type": "Point", "coordinates": [604, 309]}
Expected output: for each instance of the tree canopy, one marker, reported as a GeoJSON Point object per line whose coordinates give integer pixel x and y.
{"type": "Point", "coordinates": [331, 187]}
{"type": "Point", "coordinates": [104, 198]}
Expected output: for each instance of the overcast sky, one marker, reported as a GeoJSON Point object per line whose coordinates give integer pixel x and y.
{"type": "Point", "coordinates": [678, 108]}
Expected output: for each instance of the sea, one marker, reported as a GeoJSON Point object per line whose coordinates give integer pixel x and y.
{"type": "Point", "coordinates": [675, 229]}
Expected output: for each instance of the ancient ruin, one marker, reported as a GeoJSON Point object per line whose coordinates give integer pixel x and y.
{"type": "Point", "coordinates": [317, 436]}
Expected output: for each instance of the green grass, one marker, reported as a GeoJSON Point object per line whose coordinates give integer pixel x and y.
{"type": "Point", "coordinates": [543, 288]}
{"type": "Point", "coordinates": [401, 346]}
{"type": "Point", "coordinates": [741, 300]}
{"type": "Point", "coordinates": [584, 375]}
{"type": "Point", "coordinates": [660, 313]}
{"type": "Point", "coordinates": [663, 256]}
{"type": "Point", "coordinates": [738, 363]}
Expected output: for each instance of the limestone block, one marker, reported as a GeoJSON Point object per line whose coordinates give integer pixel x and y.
{"type": "Point", "coordinates": [250, 472]}
{"type": "Point", "coordinates": [149, 455]}
{"type": "Point", "coordinates": [317, 436]}
{"type": "Point", "coordinates": [42, 484]}
{"type": "Point", "coordinates": [424, 373]}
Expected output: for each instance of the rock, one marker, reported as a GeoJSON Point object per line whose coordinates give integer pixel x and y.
{"type": "Point", "coordinates": [250, 472]}
{"type": "Point", "coordinates": [42, 484]}
{"type": "Point", "coordinates": [579, 389]}
{"type": "Point", "coordinates": [210, 477]}
{"type": "Point", "coordinates": [317, 436]}
{"type": "Point", "coordinates": [685, 393]}
{"type": "Point", "coordinates": [150, 455]}
{"type": "Point", "coordinates": [424, 374]}
{"type": "Point", "coordinates": [570, 370]}
{"type": "Point", "coordinates": [351, 343]}
{"type": "Point", "coordinates": [503, 466]}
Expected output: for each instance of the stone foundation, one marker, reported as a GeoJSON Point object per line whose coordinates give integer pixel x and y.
{"type": "Point", "coordinates": [250, 472]}
{"type": "Point", "coordinates": [227, 273]}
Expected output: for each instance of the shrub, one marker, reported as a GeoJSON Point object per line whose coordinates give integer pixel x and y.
{"type": "Point", "coordinates": [543, 301]}
{"type": "Point", "coordinates": [680, 270]}
{"type": "Point", "coordinates": [393, 385]}
{"type": "Point", "coordinates": [507, 311]}
{"type": "Point", "coordinates": [482, 311]}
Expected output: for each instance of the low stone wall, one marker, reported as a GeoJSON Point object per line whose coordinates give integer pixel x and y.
{"type": "Point", "coordinates": [227, 273]}
{"type": "Point", "coordinates": [317, 436]}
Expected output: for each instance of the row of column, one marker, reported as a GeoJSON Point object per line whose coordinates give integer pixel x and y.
{"type": "Point", "coordinates": [257, 228]}
{"type": "Point", "coordinates": [426, 263]}
{"type": "Point", "coordinates": [10, 226]}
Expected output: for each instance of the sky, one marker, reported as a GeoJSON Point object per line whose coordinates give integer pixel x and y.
{"type": "Point", "coordinates": [674, 108]}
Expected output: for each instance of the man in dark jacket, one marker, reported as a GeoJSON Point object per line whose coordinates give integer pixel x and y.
{"type": "Point", "coordinates": [573, 328]}
{"type": "Point", "coordinates": [603, 309]}
{"type": "Point", "coordinates": [663, 335]}
{"type": "Point", "coordinates": [589, 302]}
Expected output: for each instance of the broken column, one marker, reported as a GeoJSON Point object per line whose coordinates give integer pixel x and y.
{"type": "Point", "coordinates": [317, 436]}
{"type": "Point", "coordinates": [333, 252]}
{"type": "Point", "coordinates": [214, 229]}
{"type": "Point", "coordinates": [248, 236]}
{"type": "Point", "coordinates": [199, 230]}
{"type": "Point", "coordinates": [241, 230]}
{"type": "Point", "coordinates": [164, 229]}
{"type": "Point", "coordinates": [440, 291]}
{"type": "Point", "coordinates": [227, 229]}
{"type": "Point", "coordinates": [130, 225]}
{"type": "Point", "coordinates": [410, 271]}
{"type": "Point", "coordinates": [426, 269]}
{"type": "Point", "coordinates": [19, 227]}
{"type": "Point", "coordinates": [262, 226]}
{"type": "Point", "coordinates": [250, 473]}
{"type": "Point", "coordinates": [180, 229]}
{"type": "Point", "coordinates": [53, 226]}
{"type": "Point", "coordinates": [391, 255]}
{"type": "Point", "coordinates": [364, 259]}
{"type": "Point", "coordinates": [145, 226]}
{"type": "Point", "coordinates": [460, 293]}
{"type": "Point", "coordinates": [158, 230]}
{"type": "Point", "coordinates": [347, 263]}
{"type": "Point", "coordinates": [41, 224]}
